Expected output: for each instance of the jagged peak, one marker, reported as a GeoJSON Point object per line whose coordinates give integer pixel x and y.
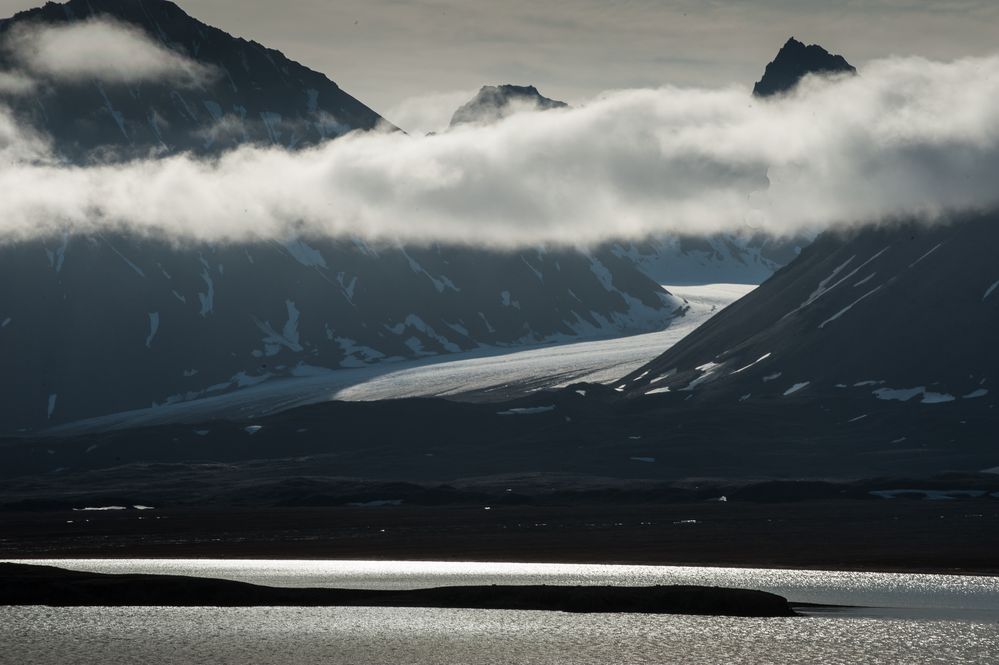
{"type": "Point", "coordinates": [793, 62]}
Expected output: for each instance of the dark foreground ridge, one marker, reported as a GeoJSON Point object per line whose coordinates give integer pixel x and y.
{"type": "Point", "coordinates": [22, 584]}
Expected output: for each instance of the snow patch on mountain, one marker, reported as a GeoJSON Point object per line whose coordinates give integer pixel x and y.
{"type": "Point", "coordinates": [154, 326]}
{"type": "Point", "coordinates": [304, 254]}
{"type": "Point", "coordinates": [288, 338]}
{"type": "Point", "coordinates": [905, 394]}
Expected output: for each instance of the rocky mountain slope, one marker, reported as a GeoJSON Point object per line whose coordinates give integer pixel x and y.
{"type": "Point", "coordinates": [248, 93]}
{"type": "Point", "coordinates": [888, 313]}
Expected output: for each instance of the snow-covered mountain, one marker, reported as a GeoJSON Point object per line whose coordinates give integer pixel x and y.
{"type": "Point", "coordinates": [103, 323]}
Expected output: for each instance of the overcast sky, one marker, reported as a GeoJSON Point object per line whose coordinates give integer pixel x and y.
{"type": "Point", "coordinates": [385, 51]}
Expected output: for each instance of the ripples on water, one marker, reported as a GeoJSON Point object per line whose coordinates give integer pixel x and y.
{"type": "Point", "coordinates": [389, 635]}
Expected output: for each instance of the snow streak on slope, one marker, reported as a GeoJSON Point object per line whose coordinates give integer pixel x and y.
{"type": "Point", "coordinates": [480, 373]}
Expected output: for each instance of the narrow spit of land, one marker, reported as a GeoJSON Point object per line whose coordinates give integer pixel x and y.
{"type": "Point", "coordinates": [22, 584]}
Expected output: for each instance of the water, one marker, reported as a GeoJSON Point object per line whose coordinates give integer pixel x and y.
{"type": "Point", "coordinates": [918, 619]}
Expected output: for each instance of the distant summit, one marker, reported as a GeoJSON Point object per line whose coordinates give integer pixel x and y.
{"type": "Point", "coordinates": [495, 102]}
{"type": "Point", "coordinates": [793, 62]}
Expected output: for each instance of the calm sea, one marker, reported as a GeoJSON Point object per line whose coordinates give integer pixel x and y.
{"type": "Point", "coordinates": [904, 619]}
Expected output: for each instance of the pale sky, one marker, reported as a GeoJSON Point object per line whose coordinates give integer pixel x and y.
{"type": "Point", "coordinates": [386, 51]}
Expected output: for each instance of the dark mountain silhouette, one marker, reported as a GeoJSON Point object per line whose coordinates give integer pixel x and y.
{"type": "Point", "coordinates": [256, 95]}
{"type": "Point", "coordinates": [793, 62]}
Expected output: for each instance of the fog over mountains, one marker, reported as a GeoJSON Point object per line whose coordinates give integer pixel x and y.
{"type": "Point", "coordinates": [107, 321]}
{"type": "Point", "coordinates": [220, 92]}
{"type": "Point", "coordinates": [307, 233]}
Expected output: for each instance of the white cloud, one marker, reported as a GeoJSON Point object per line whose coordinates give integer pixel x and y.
{"type": "Point", "coordinates": [427, 113]}
{"type": "Point", "coordinates": [100, 49]}
{"type": "Point", "coordinates": [15, 83]}
{"type": "Point", "coordinates": [906, 137]}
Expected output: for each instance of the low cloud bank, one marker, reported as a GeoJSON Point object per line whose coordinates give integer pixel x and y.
{"type": "Point", "coordinates": [98, 49]}
{"type": "Point", "coordinates": [906, 137]}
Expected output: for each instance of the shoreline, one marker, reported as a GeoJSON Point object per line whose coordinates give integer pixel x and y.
{"type": "Point", "coordinates": [955, 538]}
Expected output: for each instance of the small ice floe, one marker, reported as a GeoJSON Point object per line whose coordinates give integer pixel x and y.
{"type": "Point", "coordinates": [301, 430]}
{"type": "Point", "coordinates": [99, 508]}
{"type": "Point", "coordinates": [860, 417]}
{"type": "Point", "coordinates": [52, 404]}
{"type": "Point", "coordinates": [376, 503]}
{"type": "Point", "coordinates": [202, 432]}
{"type": "Point", "coordinates": [581, 393]}
{"type": "Point", "coordinates": [771, 377]}
{"type": "Point", "coordinates": [6, 322]}
{"type": "Point", "coordinates": [796, 387]}
{"type": "Point", "coordinates": [141, 507]}
{"type": "Point", "coordinates": [658, 391]}
{"type": "Point", "coordinates": [900, 439]}
{"type": "Point", "coordinates": [720, 499]}
{"type": "Point", "coordinates": [643, 459]}
{"type": "Point", "coordinates": [745, 397]}
{"type": "Point", "coordinates": [635, 438]}
{"type": "Point", "coordinates": [981, 392]}
{"type": "Point", "coordinates": [685, 522]}
{"type": "Point", "coordinates": [526, 410]}
{"type": "Point", "coordinates": [861, 384]}
{"type": "Point", "coordinates": [252, 429]}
